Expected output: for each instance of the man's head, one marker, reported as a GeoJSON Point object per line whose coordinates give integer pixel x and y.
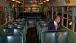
{"type": "Point", "coordinates": [57, 19]}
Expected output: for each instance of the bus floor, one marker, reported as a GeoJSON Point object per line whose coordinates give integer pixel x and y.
{"type": "Point", "coordinates": [32, 35]}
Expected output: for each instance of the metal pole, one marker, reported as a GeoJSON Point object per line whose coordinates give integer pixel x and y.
{"type": "Point", "coordinates": [73, 18]}
{"type": "Point", "coordinates": [56, 11]}
{"type": "Point", "coordinates": [10, 15]}
{"type": "Point", "coordinates": [0, 22]}
{"type": "Point", "coordinates": [50, 15]}
{"type": "Point", "coordinates": [22, 35]}
{"type": "Point", "coordinates": [52, 12]}
{"type": "Point", "coordinates": [67, 17]}
{"type": "Point", "coordinates": [5, 12]}
{"type": "Point", "coordinates": [62, 15]}
{"type": "Point", "coordinates": [23, 7]}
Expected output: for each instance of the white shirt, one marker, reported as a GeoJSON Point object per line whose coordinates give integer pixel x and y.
{"type": "Point", "coordinates": [56, 25]}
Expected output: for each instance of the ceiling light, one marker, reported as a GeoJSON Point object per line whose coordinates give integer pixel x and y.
{"type": "Point", "coordinates": [41, 3]}
{"type": "Point", "coordinates": [47, 0]}
{"type": "Point", "coordinates": [33, 5]}
{"type": "Point", "coordinates": [31, 1]}
{"type": "Point", "coordinates": [44, 1]}
{"type": "Point", "coordinates": [13, 0]}
{"type": "Point", "coordinates": [17, 1]}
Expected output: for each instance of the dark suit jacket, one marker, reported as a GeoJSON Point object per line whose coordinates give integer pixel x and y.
{"type": "Point", "coordinates": [52, 27]}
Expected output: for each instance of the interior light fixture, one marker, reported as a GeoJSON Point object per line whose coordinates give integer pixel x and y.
{"type": "Point", "coordinates": [33, 5]}
{"type": "Point", "coordinates": [17, 1]}
{"type": "Point", "coordinates": [44, 1]}
{"type": "Point", "coordinates": [13, 0]}
{"type": "Point", "coordinates": [31, 1]}
{"type": "Point", "coordinates": [41, 3]}
{"type": "Point", "coordinates": [70, 23]}
{"type": "Point", "coordinates": [47, 0]}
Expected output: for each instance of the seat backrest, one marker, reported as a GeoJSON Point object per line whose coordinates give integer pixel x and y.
{"type": "Point", "coordinates": [49, 37]}
{"type": "Point", "coordinates": [10, 26]}
{"type": "Point", "coordinates": [55, 37]}
{"type": "Point", "coordinates": [11, 39]}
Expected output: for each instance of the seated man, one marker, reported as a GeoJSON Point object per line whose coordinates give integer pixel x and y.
{"type": "Point", "coordinates": [54, 25]}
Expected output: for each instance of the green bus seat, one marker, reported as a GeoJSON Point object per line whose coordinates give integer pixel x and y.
{"type": "Point", "coordinates": [11, 39]}
{"type": "Point", "coordinates": [54, 37]}
{"type": "Point", "coordinates": [41, 27]}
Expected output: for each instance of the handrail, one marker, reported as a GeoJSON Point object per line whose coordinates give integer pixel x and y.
{"type": "Point", "coordinates": [68, 29]}
{"type": "Point", "coordinates": [5, 24]}
{"type": "Point", "coordinates": [56, 30]}
{"type": "Point", "coordinates": [71, 35]}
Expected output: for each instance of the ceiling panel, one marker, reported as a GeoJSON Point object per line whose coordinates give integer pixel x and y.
{"type": "Point", "coordinates": [4, 3]}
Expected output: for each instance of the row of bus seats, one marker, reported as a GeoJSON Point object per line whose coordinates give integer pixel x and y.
{"type": "Point", "coordinates": [31, 22]}
{"type": "Point", "coordinates": [14, 32]}
{"type": "Point", "coordinates": [41, 27]}
{"type": "Point", "coordinates": [50, 36]}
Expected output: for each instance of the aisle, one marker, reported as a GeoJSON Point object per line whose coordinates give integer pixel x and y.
{"type": "Point", "coordinates": [32, 35]}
